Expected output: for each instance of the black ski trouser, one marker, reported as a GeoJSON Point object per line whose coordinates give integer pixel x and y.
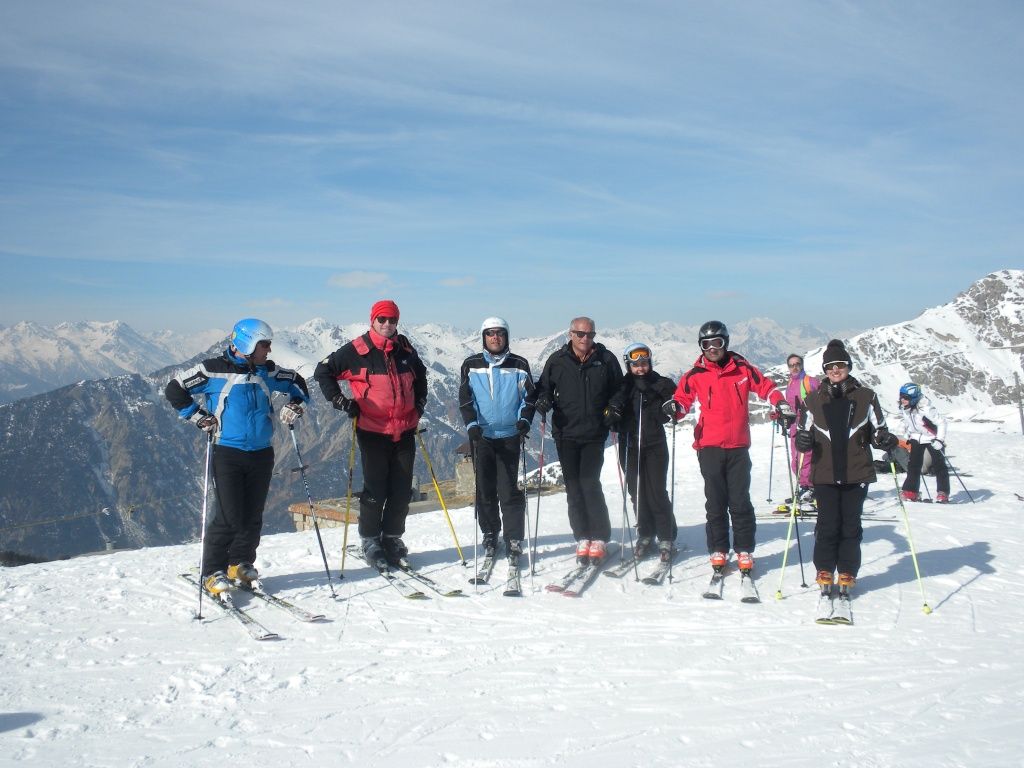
{"type": "Point", "coordinates": [915, 462]}
{"type": "Point", "coordinates": [838, 530]}
{"type": "Point", "coordinates": [726, 474]}
{"type": "Point", "coordinates": [241, 483]}
{"type": "Point", "coordinates": [497, 469]}
{"type": "Point", "coordinates": [653, 508]}
{"type": "Point", "coordinates": [581, 469]}
{"type": "Point", "coordinates": [387, 482]}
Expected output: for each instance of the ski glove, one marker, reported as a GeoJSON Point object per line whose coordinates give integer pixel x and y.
{"type": "Point", "coordinates": [938, 445]}
{"type": "Point", "coordinates": [475, 433]}
{"type": "Point", "coordinates": [672, 409]}
{"type": "Point", "coordinates": [205, 421]}
{"type": "Point", "coordinates": [884, 439]}
{"type": "Point", "coordinates": [543, 405]}
{"type": "Point", "coordinates": [612, 416]}
{"type": "Point", "coordinates": [289, 413]}
{"type": "Point", "coordinates": [523, 428]}
{"type": "Point", "coordinates": [804, 440]}
{"type": "Point", "coordinates": [785, 413]}
{"type": "Point", "coordinates": [349, 406]}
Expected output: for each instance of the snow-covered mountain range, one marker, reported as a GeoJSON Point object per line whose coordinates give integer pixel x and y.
{"type": "Point", "coordinates": [115, 444]}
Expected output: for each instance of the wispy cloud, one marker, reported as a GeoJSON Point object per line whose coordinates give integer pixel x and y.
{"type": "Point", "coordinates": [358, 280]}
{"type": "Point", "coordinates": [457, 282]}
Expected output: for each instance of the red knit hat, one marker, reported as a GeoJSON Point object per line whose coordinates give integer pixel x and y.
{"type": "Point", "coordinates": [384, 308]}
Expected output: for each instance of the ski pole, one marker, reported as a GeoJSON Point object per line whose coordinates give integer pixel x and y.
{"type": "Point", "coordinates": [957, 475]}
{"type": "Point", "coordinates": [639, 478]}
{"type": "Point", "coordinates": [771, 462]}
{"type": "Point", "coordinates": [437, 489]}
{"type": "Point", "coordinates": [312, 512]}
{"type": "Point", "coordinates": [672, 500]}
{"type": "Point", "coordinates": [202, 531]}
{"type": "Point", "coordinates": [789, 528]}
{"type": "Point", "coordinates": [910, 539]}
{"type": "Point", "coordinates": [476, 516]}
{"type": "Point", "coordinates": [348, 496]}
{"type": "Point", "coordinates": [526, 516]}
{"type": "Point", "coordinates": [540, 478]}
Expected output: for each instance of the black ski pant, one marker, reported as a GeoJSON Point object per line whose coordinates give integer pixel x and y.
{"type": "Point", "coordinates": [652, 506]}
{"type": "Point", "coordinates": [726, 474]}
{"type": "Point", "coordinates": [241, 483]}
{"type": "Point", "coordinates": [913, 481]}
{"type": "Point", "coordinates": [838, 530]}
{"type": "Point", "coordinates": [581, 469]}
{"type": "Point", "coordinates": [497, 464]}
{"type": "Point", "coordinates": [387, 482]}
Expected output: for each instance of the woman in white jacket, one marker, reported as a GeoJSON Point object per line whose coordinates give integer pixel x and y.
{"type": "Point", "coordinates": [926, 432]}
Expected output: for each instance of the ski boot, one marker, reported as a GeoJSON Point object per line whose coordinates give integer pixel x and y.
{"type": "Point", "coordinates": [745, 562]}
{"type": "Point", "coordinates": [910, 495]}
{"type": "Point", "coordinates": [597, 551]}
{"type": "Point", "coordinates": [373, 552]}
{"type": "Point", "coordinates": [642, 547]}
{"type": "Point", "coordinates": [583, 551]}
{"type": "Point", "coordinates": [941, 498]}
{"type": "Point", "coordinates": [216, 583]}
{"type": "Point", "coordinates": [825, 580]}
{"type": "Point", "coordinates": [514, 549]}
{"type": "Point", "coordinates": [719, 561]}
{"type": "Point", "coordinates": [244, 573]}
{"type": "Point", "coordinates": [394, 550]}
{"type": "Point", "coordinates": [665, 551]}
{"type": "Point", "coordinates": [490, 543]}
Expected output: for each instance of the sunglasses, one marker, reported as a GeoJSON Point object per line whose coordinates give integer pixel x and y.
{"type": "Point", "coordinates": [834, 366]}
{"type": "Point", "coordinates": [263, 344]}
{"type": "Point", "coordinates": [794, 365]}
{"type": "Point", "coordinates": [639, 355]}
{"type": "Point", "coordinates": [584, 334]}
{"type": "Point", "coordinates": [716, 343]}
{"type": "Point", "coordinates": [494, 332]}
{"type": "Point", "coordinates": [381, 320]}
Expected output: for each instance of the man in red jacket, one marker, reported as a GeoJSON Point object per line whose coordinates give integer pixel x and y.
{"type": "Point", "coordinates": [388, 382]}
{"type": "Point", "coordinates": [722, 382]}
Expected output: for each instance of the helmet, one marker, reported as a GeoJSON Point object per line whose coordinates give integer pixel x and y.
{"type": "Point", "coordinates": [713, 329]}
{"type": "Point", "coordinates": [248, 332]}
{"type": "Point", "coordinates": [637, 352]}
{"type": "Point", "coordinates": [911, 392]}
{"type": "Point", "coordinates": [492, 323]}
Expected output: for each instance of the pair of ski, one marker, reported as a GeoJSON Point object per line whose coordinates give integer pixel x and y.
{"type": "Point", "coordinates": [655, 577]}
{"type": "Point", "coordinates": [581, 576]}
{"type": "Point", "coordinates": [716, 587]}
{"type": "Point", "coordinates": [254, 628]}
{"type": "Point", "coordinates": [405, 579]}
{"type": "Point", "coordinates": [513, 580]}
{"type": "Point", "coordinates": [834, 608]}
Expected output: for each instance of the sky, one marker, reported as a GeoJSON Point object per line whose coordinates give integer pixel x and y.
{"type": "Point", "coordinates": [181, 165]}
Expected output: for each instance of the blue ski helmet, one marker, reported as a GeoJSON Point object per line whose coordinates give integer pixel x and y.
{"type": "Point", "coordinates": [636, 353]}
{"type": "Point", "coordinates": [713, 329]}
{"type": "Point", "coordinates": [911, 392]}
{"type": "Point", "coordinates": [247, 332]}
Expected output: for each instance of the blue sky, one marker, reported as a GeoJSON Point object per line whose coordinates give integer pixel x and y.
{"type": "Point", "coordinates": [181, 165]}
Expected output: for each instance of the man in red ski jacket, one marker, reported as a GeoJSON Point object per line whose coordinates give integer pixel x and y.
{"type": "Point", "coordinates": [722, 382]}
{"type": "Point", "coordinates": [388, 382]}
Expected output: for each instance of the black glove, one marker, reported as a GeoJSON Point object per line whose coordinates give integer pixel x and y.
{"type": "Point", "coordinates": [543, 405]}
{"type": "Point", "coordinates": [349, 406]}
{"type": "Point", "coordinates": [884, 439]}
{"type": "Point", "coordinates": [523, 428]}
{"type": "Point", "coordinates": [804, 440]}
{"type": "Point", "coordinates": [785, 413]}
{"type": "Point", "coordinates": [612, 416]}
{"type": "Point", "coordinates": [475, 433]}
{"type": "Point", "coordinates": [204, 420]}
{"type": "Point", "coordinates": [938, 445]}
{"type": "Point", "coordinates": [671, 408]}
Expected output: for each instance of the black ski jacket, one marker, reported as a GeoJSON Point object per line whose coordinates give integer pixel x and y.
{"type": "Point", "coordinates": [643, 395]}
{"type": "Point", "coordinates": [579, 392]}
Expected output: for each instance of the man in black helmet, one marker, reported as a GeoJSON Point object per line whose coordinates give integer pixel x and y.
{"type": "Point", "coordinates": [722, 380]}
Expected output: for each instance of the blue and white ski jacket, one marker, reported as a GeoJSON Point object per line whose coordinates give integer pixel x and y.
{"type": "Point", "coordinates": [495, 392]}
{"type": "Point", "coordinates": [239, 396]}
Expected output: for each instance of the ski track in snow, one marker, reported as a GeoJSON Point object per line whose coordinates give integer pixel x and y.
{"type": "Point", "coordinates": [104, 665]}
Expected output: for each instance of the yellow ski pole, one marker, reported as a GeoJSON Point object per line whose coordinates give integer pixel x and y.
{"type": "Point", "coordinates": [348, 496]}
{"type": "Point", "coordinates": [437, 488]}
{"type": "Point", "coordinates": [910, 539]}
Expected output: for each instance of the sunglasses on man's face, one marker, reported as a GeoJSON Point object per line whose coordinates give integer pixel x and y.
{"type": "Point", "coordinates": [381, 320]}
{"type": "Point", "coordinates": [492, 333]}
{"type": "Point", "coordinates": [794, 365]}
{"type": "Point", "coordinates": [715, 343]}
{"type": "Point", "coordinates": [264, 344]}
{"type": "Point", "coordinates": [583, 334]}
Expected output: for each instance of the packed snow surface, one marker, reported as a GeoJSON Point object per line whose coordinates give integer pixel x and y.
{"type": "Point", "coordinates": [104, 664]}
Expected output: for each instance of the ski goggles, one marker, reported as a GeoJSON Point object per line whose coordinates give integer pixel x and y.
{"type": "Point", "coordinates": [716, 342]}
{"type": "Point", "coordinates": [837, 366]}
{"type": "Point", "coordinates": [639, 355]}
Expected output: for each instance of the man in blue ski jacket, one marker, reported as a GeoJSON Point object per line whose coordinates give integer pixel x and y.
{"type": "Point", "coordinates": [496, 402]}
{"type": "Point", "coordinates": [235, 408]}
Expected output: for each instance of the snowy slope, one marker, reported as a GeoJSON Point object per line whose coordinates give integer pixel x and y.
{"type": "Point", "coordinates": [103, 664]}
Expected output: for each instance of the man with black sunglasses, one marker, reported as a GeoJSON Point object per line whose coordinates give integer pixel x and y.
{"type": "Point", "coordinates": [388, 385]}
{"type": "Point", "coordinates": [722, 381]}
{"type": "Point", "coordinates": [576, 384]}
